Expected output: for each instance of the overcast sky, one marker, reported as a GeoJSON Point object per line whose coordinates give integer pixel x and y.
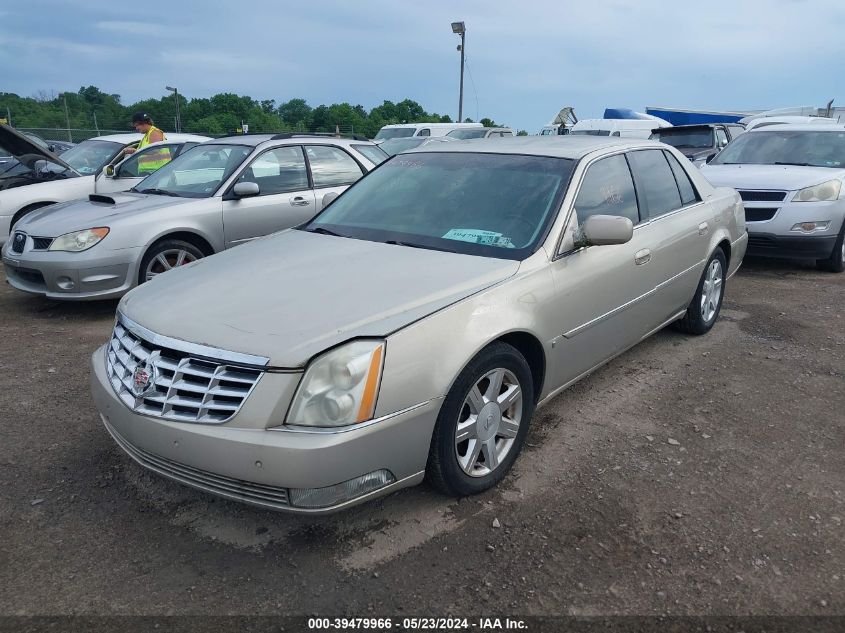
{"type": "Point", "coordinates": [526, 59]}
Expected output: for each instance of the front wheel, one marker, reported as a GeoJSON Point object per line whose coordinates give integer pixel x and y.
{"type": "Point", "coordinates": [836, 262]}
{"type": "Point", "coordinates": [483, 422]}
{"type": "Point", "coordinates": [706, 304]}
{"type": "Point", "coordinates": [165, 255]}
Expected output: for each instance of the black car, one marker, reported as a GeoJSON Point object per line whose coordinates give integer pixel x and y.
{"type": "Point", "coordinates": [699, 142]}
{"type": "Point", "coordinates": [57, 147]}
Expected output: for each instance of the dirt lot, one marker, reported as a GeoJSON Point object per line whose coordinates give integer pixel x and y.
{"type": "Point", "coordinates": [689, 476]}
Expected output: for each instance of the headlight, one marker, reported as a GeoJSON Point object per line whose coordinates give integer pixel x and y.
{"type": "Point", "coordinates": [79, 240]}
{"type": "Point", "coordinates": [826, 191]}
{"type": "Point", "coordinates": [340, 387]}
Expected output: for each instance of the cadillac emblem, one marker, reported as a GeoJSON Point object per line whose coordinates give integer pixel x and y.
{"type": "Point", "coordinates": [144, 376]}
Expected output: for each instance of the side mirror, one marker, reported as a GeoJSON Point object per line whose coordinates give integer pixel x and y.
{"type": "Point", "coordinates": [246, 189]}
{"type": "Point", "coordinates": [605, 230]}
{"type": "Point", "coordinates": [709, 158]}
{"type": "Point", "coordinates": [109, 171]}
{"type": "Point", "coordinates": [329, 198]}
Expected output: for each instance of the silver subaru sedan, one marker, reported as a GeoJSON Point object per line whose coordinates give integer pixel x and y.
{"type": "Point", "coordinates": [410, 330]}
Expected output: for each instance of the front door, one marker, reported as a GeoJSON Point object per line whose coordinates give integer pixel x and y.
{"type": "Point", "coordinates": [285, 198]}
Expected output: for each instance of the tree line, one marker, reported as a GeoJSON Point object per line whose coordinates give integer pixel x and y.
{"type": "Point", "coordinates": [224, 113]}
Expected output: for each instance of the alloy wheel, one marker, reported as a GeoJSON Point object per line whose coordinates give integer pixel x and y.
{"type": "Point", "coordinates": [166, 260]}
{"type": "Point", "coordinates": [488, 422]}
{"type": "Point", "coordinates": [711, 291]}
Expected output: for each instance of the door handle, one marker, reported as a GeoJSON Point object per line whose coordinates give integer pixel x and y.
{"type": "Point", "coordinates": [299, 201]}
{"type": "Point", "coordinates": [642, 257]}
{"type": "Point", "coordinates": [703, 228]}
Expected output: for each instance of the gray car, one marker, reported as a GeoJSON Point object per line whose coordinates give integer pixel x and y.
{"type": "Point", "coordinates": [411, 329]}
{"type": "Point", "coordinates": [211, 197]}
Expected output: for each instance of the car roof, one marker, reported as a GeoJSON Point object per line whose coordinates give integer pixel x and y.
{"type": "Point", "coordinates": [565, 146]}
{"type": "Point", "coordinates": [255, 140]}
{"type": "Point", "coordinates": [800, 127]}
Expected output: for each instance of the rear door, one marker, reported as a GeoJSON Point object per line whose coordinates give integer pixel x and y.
{"type": "Point", "coordinates": [332, 169]}
{"type": "Point", "coordinates": [285, 197]}
{"type": "Point", "coordinates": [675, 225]}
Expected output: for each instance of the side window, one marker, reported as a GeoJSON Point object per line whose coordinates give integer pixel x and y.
{"type": "Point", "coordinates": [688, 195]}
{"type": "Point", "coordinates": [146, 161]}
{"type": "Point", "coordinates": [425, 132]}
{"type": "Point", "coordinates": [607, 189]}
{"type": "Point", "coordinates": [721, 137]}
{"type": "Point", "coordinates": [277, 171]}
{"type": "Point", "coordinates": [736, 130]}
{"type": "Point", "coordinates": [655, 183]}
{"type": "Point", "coordinates": [331, 166]}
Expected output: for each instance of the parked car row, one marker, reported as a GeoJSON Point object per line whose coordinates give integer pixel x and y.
{"type": "Point", "coordinates": [401, 318]}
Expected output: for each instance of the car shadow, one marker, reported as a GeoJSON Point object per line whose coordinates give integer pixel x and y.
{"type": "Point", "coordinates": [42, 308]}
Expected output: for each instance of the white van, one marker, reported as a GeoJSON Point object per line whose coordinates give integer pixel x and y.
{"type": "Point", "coordinates": [404, 130]}
{"type": "Point", "coordinates": [632, 128]}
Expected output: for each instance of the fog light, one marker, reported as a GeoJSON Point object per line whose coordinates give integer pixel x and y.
{"type": "Point", "coordinates": [65, 283]}
{"type": "Point", "coordinates": [809, 227]}
{"type": "Point", "coordinates": [340, 493]}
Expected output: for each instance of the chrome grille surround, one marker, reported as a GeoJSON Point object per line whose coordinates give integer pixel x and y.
{"type": "Point", "coordinates": [186, 382]}
{"type": "Point", "coordinates": [246, 491]}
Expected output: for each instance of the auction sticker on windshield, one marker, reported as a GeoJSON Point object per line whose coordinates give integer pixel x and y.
{"type": "Point", "coordinates": [478, 236]}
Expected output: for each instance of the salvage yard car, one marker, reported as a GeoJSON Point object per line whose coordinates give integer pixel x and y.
{"type": "Point", "coordinates": [214, 196]}
{"type": "Point", "coordinates": [411, 328]}
{"type": "Point", "coordinates": [700, 142]}
{"type": "Point", "coordinates": [791, 179]}
{"type": "Point", "coordinates": [37, 178]}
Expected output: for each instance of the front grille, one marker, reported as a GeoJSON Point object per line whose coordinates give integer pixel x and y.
{"type": "Point", "coordinates": [246, 491]}
{"type": "Point", "coordinates": [41, 243]}
{"type": "Point", "coordinates": [168, 383]}
{"type": "Point", "coordinates": [762, 196]}
{"type": "Point", "coordinates": [759, 215]}
{"type": "Point", "coordinates": [18, 242]}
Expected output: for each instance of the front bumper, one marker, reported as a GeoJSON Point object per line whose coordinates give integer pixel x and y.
{"type": "Point", "coordinates": [774, 237]}
{"type": "Point", "coordinates": [790, 247]}
{"type": "Point", "coordinates": [91, 274]}
{"type": "Point", "coordinates": [258, 465]}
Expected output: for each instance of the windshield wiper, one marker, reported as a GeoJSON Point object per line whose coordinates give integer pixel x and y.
{"type": "Point", "coordinates": [157, 192]}
{"type": "Point", "coordinates": [322, 231]}
{"type": "Point", "coordinates": [796, 164]}
{"type": "Point", "coordinates": [422, 246]}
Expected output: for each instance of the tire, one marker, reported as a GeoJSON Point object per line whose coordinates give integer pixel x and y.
{"type": "Point", "coordinates": [836, 262]}
{"type": "Point", "coordinates": [703, 310]}
{"type": "Point", "coordinates": [167, 254]}
{"type": "Point", "coordinates": [499, 442]}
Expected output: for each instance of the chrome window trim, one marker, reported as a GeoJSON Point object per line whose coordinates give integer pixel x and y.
{"type": "Point", "coordinates": [194, 349]}
{"type": "Point", "coordinates": [333, 430]}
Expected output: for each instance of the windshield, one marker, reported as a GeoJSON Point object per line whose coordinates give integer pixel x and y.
{"type": "Point", "coordinates": [592, 132]}
{"type": "Point", "coordinates": [91, 156]}
{"type": "Point", "coordinates": [699, 137]}
{"type": "Point", "coordinates": [465, 134]}
{"type": "Point", "coordinates": [397, 145]}
{"type": "Point", "coordinates": [196, 173]}
{"type": "Point", "coordinates": [493, 205]}
{"type": "Point", "coordinates": [786, 147]}
{"type": "Point", "coordinates": [395, 132]}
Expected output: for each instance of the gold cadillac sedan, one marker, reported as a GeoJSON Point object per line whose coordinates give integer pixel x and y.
{"type": "Point", "coordinates": [410, 330]}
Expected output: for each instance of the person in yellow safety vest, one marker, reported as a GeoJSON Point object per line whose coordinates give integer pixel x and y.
{"type": "Point", "coordinates": [152, 160]}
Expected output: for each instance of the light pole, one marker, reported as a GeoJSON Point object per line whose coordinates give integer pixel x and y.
{"type": "Point", "coordinates": [176, 95]}
{"type": "Point", "coordinates": [67, 118]}
{"type": "Point", "coordinates": [459, 28]}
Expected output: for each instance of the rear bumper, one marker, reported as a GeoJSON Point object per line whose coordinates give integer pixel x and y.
{"type": "Point", "coordinates": [792, 247]}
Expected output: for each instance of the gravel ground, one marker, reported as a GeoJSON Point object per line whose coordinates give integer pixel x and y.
{"type": "Point", "coordinates": [689, 476]}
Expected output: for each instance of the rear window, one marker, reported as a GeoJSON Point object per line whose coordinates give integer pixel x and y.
{"type": "Point", "coordinates": [395, 132]}
{"type": "Point", "coordinates": [372, 153]}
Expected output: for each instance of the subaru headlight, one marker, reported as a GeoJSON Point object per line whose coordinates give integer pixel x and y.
{"type": "Point", "coordinates": [79, 240]}
{"type": "Point", "coordinates": [826, 191]}
{"type": "Point", "coordinates": [340, 387]}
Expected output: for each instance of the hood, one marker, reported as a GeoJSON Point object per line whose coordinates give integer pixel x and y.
{"type": "Point", "coordinates": [777, 177]}
{"type": "Point", "coordinates": [98, 210]}
{"type": "Point", "coordinates": [25, 150]}
{"type": "Point", "coordinates": [294, 294]}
